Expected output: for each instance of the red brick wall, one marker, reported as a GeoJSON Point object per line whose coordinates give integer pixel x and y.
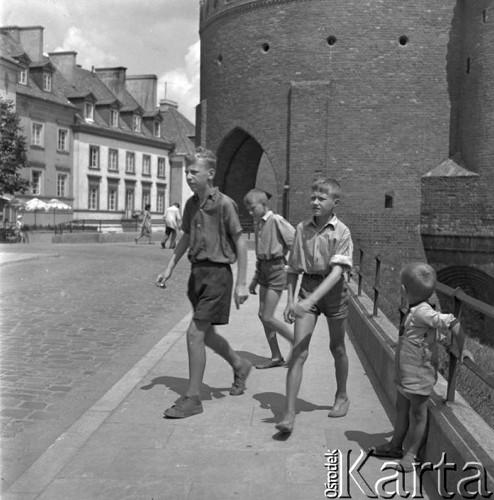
{"type": "Point", "coordinates": [367, 110]}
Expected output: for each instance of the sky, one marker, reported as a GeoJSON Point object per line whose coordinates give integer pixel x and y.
{"type": "Point", "coordinates": [158, 37]}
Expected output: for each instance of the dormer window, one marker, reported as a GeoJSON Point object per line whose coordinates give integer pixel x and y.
{"type": "Point", "coordinates": [23, 76]}
{"type": "Point", "coordinates": [136, 123]}
{"type": "Point", "coordinates": [89, 111]}
{"type": "Point", "coordinates": [114, 118]}
{"type": "Point", "coordinates": [157, 129]}
{"type": "Point", "coordinates": [47, 82]}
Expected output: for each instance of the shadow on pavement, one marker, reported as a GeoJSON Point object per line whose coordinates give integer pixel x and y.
{"type": "Point", "coordinates": [179, 385]}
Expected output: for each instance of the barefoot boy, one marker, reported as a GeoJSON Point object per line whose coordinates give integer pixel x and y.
{"type": "Point", "coordinates": [274, 238]}
{"type": "Point", "coordinates": [213, 236]}
{"type": "Point", "coordinates": [322, 251]}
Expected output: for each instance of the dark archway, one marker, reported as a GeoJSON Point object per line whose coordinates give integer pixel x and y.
{"type": "Point", "coordinates": [477, 284]}
{"type": "Point", "coordinates": [240, 159]}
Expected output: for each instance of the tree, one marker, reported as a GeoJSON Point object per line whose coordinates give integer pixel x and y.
{"type": "Point", "coordinates": [13, 155]}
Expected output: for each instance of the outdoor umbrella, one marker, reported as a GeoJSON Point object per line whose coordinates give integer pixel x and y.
{"type": "Point", "coordinates": [57, 205]}
{"type": "Point", "coordinates": [34, 205]}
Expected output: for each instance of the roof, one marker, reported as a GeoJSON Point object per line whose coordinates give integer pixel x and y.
{"type": "Point", "coordinates": [452, 167]}
{"type": "Point", "coordinates": [178, 129]}
{"type": "Point", "coordinates": [11, 49]}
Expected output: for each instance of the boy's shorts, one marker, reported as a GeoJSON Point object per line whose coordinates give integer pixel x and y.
{"type": "Point", "coordinates": [272, 273]}
{"type": "Point", "coordinates": [333, 305]}
{"type": "Point", "coordinates": [210, 292]}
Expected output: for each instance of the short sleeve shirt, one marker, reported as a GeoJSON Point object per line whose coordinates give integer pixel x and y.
{"type": "Point", "coordinates": [274, 236]}
{"type": "Point", "coordinates": [211, 227]}
{"type": "Point", "coordinates": [315, 250]}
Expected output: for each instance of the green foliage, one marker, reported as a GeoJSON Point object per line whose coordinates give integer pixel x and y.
{"type": "Point", "coordinates": [13, 156]}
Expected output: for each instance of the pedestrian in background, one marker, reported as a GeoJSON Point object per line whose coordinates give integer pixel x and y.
{"type": "Point", "coordinates": [273, 240]}
{"type": "Point", "coordinates": [173, 223]}
{"type": "Point", "coordinates": [146, 225]}
{"type": "Point", "coordinates": [214, 239]}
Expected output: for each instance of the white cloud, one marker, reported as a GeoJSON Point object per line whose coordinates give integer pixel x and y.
{"type": "Point", "coordinates": [88, 54]}
{"type": "Point", "coordinates": [182, 84]}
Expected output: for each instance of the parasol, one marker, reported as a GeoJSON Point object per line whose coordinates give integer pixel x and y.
{"type": "Point", "coordinates": [57, 205]}
{"type": "Point", "coordinates": [34, 205]}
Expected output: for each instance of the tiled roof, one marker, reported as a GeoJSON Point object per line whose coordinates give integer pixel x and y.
{"type": "Point", "coordinates": [178, 129]}
{"type": "Point", "coordinates": [10, 48]}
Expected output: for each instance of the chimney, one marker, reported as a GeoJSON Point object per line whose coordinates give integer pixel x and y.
{"type": "Point", "coordinates": [65, 62]}
{"type": "Point", "coordinates": [31, 39]}
{"type": "Point", "coordinates": [114, 79]}
{"type": "Point", "coordinates": [167, 103]}
{"type": "Point", "coordinates": [143, 89]}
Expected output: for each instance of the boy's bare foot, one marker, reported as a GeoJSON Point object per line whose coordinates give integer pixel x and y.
{"type": "Point", "coordinates": [287, 423]}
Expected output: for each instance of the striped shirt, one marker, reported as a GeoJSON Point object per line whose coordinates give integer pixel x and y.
{"type": "Point", "coordinates": [274, 236]}
{"type": "Point", "coordinates": [315, 250]}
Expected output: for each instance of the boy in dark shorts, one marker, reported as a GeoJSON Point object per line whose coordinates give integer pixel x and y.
{"type": "Point", "coordinates": [213, 236]}
{"type": "Point", "coordinates": [274, 238]}
{"type": "Point", "coordinates": [322, 251]}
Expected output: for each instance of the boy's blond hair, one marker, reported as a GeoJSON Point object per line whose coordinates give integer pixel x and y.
{"type": "Point", "coordinates": [327, 185]}
{"type": "Point", "coordinates": [419, 279]}
{"type": "Point", "coordinates": [256, 196]}
{"type": "Point", "coordinates": [203, 156]}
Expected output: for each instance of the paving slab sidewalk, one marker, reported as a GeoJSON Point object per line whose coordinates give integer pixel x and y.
{"type": "Point", "coordinates": [122, 447]}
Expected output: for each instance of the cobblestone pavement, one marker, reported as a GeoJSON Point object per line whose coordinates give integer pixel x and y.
{"type": "Point", "coordinates": [74, 319]}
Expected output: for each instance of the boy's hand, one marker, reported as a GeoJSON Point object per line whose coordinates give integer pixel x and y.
{"type": "Point", "coordinates": [466, 354]}
{"type": "Point", "coordinates": [302, 307]}
{"type": "Point", "coordinates": [253, 286]}
{"type": "Point", "coordinates": [162, 279]}
{"type": "Point", "coordinates": [289, 314]}
{"type": "Point", "coordinates": [240, 295]}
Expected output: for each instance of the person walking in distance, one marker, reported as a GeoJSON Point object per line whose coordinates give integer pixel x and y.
{"type": "Point", "coordinates": [173, 222]}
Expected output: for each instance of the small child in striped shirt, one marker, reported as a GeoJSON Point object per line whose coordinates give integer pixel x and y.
{"type": "Point", "coordinates": [322, 252]}
{"type": "Point", "coordinates": [274, 238]}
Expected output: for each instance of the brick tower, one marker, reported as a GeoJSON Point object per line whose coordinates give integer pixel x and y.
{"type": "Point", "coordinates": [376, 94]}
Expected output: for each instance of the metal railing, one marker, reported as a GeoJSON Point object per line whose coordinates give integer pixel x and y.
{"type": "Point", "coordinates": [460, 299]}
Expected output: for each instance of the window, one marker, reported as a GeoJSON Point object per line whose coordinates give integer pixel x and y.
{"type": "Point", "coordinates": [47, 82]}
{"type": "Point", "coordinates": [112, 197]}
{"type": "Point", "coordinates": [93, 201]}
{"type": "Point", "coordinates": [94, 157]}
{"type": "Point", "coordinates": [23, 76]}
{"type": "Point", "coordinates": [130, 163]}
{"type": "Point", "coordinates": [63, 139]}
{"type": "Point", "coordinates": [136, 123]}
{"type": "Point", "coordinates": [146, 165]}
{"type": "Point", "coordinates": [88, 111]}
{"type": "Point", "coordinates": [129, 199]}
{"type": "Point", "coordinates": [157, 129]}
{"type": "Point", "coordinates": [160, 202]}
{"type": "Point", "coordinates": [36, 182]}
{"type": "Point", "coordinates": [113, 160]}
{"type": "Point", "coordinates": [114, 118]}
{"type": "Point", "coordinates": [37, 136]}
{"type": "Point", "coordinates": [61, 185]}
{"type": "Point", "coordinates": [161, 167]}
{"type": "Point", "coordinates": [146, 198]}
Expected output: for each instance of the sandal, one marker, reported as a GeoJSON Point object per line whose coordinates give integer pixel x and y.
{"type": "Point", "coordinates": [271, 363]}
{"type": "Point", "coordinates": [386, 450]}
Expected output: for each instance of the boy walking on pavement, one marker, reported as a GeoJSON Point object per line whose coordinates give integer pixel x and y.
{"type": "Point", "coordinates": [274, 238]}
{"type": "Point", "coordinates": [322, 251]}
{"type": "Point", "coordinates": [214, 239]}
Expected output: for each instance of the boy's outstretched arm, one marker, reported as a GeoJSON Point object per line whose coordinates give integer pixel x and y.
{"type": "Point", "coordinates": [180, 249]}
{"type": "Point", "coordinates": [241, 294]}
{"type": "Point", "coordinates": [303, 306]}
{"type": "Point", "coordinates": [459, 336]}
